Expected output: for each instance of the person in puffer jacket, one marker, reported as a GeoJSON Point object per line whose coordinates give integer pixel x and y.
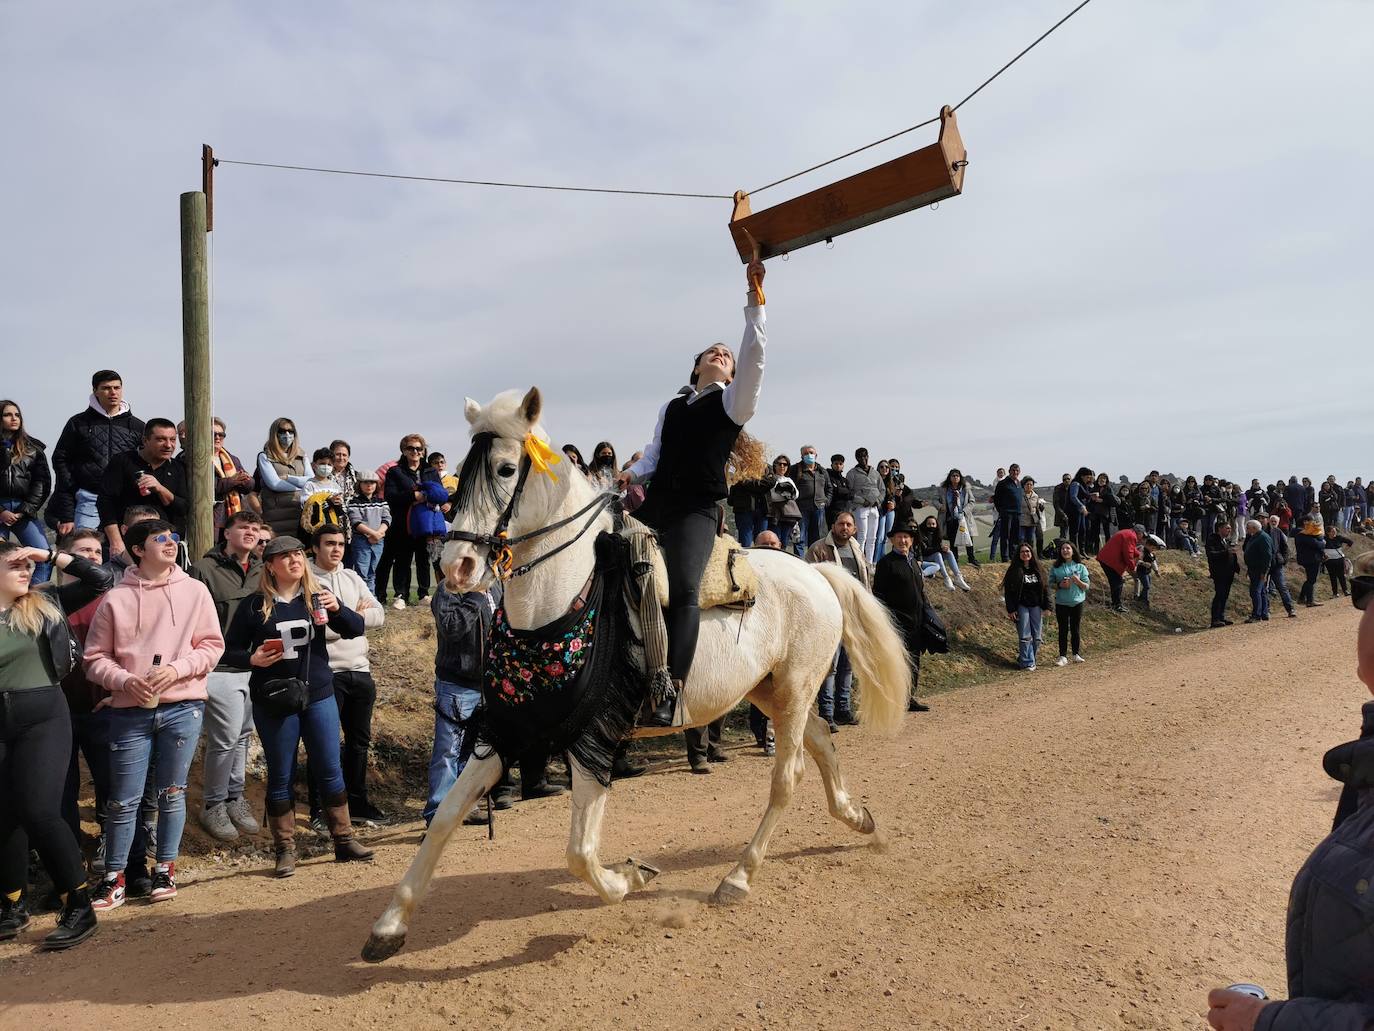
{"type": "Point", "coordinates": [1330, 939]}
{"type": "Point", "coordinates": [105, 428]}
{"type": "Point", "coordinates": [25, 484]}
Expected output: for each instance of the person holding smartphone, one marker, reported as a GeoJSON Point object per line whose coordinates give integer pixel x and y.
{"type": "Point", "coordinates": [1070, 581]}
{"type": "Point", "coordinates": [279, 633]}
{"type": "Point", "coordinates": [152, 643]}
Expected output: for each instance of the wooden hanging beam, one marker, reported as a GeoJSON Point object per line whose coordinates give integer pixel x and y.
{"type": "Point", "coordinates": [207, 183]}
{"type": "Point", "coordinates": [903, 184]}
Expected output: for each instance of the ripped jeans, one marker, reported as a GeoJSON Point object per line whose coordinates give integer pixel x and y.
{"type": "Point", "coordinates": [174, 729]}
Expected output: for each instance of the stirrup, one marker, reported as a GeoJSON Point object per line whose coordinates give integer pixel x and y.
{"type": "Point", "coordinates": [667, 713]}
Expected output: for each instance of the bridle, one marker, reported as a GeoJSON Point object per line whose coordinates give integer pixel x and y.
{"type": "Point", "coordinates": [500, 558]}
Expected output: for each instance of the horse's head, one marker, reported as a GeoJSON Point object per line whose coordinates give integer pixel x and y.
{"type": "Point", "coordinates": [503, 459]}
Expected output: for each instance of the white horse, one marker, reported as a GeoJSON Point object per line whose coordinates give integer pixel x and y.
{"type": "Point", "coordinates": [776, 657]}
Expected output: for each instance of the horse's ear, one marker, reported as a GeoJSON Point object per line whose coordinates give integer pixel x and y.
{"type": "Point", "coordinates": [532, 406]}
{"type": "Point", "coordinates": [471, 409]}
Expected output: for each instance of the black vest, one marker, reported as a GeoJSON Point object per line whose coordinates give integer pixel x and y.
{"type": "Point", "coordinates": [694, 449]}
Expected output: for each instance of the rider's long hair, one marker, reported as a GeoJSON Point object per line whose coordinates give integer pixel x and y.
{"type": "Point", "coordinates": [747, 461]}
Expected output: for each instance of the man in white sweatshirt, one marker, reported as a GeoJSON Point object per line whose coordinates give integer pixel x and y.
{"type": "Point", "coordinates": [354, 690]}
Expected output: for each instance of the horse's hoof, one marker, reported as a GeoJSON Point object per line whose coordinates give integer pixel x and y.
{"type": "Point", "coordinates": [869, 825]}
{"type": "Point", "coordinates": [727, 894]}
{"type": "Point", "coordinates": [379, 948]}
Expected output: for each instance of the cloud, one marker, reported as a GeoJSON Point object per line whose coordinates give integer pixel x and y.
{"type": "Point", "coordinates": [1160, 259]}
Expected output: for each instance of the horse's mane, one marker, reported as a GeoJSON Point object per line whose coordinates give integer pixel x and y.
{"type": "Point", "coordinates": [475, 477]}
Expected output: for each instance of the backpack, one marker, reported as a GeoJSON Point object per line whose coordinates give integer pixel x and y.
{"type": "Point", "coordinates": [320, 511]}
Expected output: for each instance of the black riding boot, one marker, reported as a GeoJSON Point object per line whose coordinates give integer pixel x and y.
{"type": "Point", "coordinates": [683, 624]}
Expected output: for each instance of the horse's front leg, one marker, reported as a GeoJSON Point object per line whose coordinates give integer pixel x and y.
{"type": "Point", "coordinates": [389, 932]}
{"type": "Point", "coordinates": [588, 807]}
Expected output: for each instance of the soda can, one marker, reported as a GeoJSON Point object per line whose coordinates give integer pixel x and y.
{"type": "Point", "coordinates": [317, 610]}
{"type": "Point", "coordinates": [1252, 990]}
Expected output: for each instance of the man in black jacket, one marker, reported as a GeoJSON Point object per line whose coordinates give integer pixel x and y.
{"type": "Point", "coordinates": [1006, 498]}
{"type": "Point", "coordinates": [1278, 581]}
{"type": "Point", "coordinates": [840, 494]}
{"type": "Point", "coordinates": [89, 440]}
{"type": "Point", "coordinates": [898, 584]}
{"type": "Point", "coordinates": [147, 476]}
{"type": "Point", "coordinates": [813, 495]}
{"type": "Point", "coordinates": [1222, 566]}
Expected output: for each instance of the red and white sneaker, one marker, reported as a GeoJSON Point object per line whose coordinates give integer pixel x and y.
{"type": "Point", "coordinates": [108, 894]}
{"type": "Point", "coordinates": [164, 882]}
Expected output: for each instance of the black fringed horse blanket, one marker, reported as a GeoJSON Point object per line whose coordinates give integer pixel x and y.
{"type": "Point", "coordinates": [571, 686]}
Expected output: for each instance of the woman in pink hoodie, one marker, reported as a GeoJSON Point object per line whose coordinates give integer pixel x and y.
{"type": "Point", "coordinates": [153, 640]}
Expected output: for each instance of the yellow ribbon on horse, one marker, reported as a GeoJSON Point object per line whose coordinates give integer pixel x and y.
{"type": "Point", "coordinates": [541, 456]}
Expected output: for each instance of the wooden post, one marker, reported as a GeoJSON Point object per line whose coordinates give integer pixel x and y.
{"type": "Point", "coordinates": [195, 349]}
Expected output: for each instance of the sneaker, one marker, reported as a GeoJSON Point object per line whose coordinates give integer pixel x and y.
{"type": "Point", "coordinates": [164, 883]}
{"type": "Point", "coordinates": [138, 882]}
{"type": "Point", "coordinates": [1078, 658]}
{"type": "Point", "coordinates": [241, 814]}
{"type": "Point", "coordinates": [109, 894]}
{"type": "Point", "coordinates": [964, 585]}
{"type": "Point", "coordinates": [950, 584]}
{"type": "Point", "coordinates": [215, 820]}
{"type": "Point", "coordinates": [363, 812]}
{"type": "Point", "coordinates": [1292, 614]}
{"type": "Point", "coordinates": [317, 822]}
{"type": "Point", "coordinates": [398, 604]}
{"type": "Point", "coordinates": [1063, 660]}
{"type": "Point", "coordinates": [98, 857]}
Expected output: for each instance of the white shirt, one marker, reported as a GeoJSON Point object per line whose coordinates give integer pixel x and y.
{"type": "Point", "coordinates": [741, 395]}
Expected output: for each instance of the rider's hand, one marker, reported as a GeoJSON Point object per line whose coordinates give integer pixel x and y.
{"type": "Point", "coordinates": [755, 273]}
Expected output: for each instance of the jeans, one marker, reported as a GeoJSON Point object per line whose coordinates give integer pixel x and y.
{"type": "Point", "coordinates": [174, 729]}
{"type": "Point", "coordinates": [366, 554]}
{"type": "Point", "coordinates": [836, 688]}
{"type": "Point", "coordinates": [1028, 628]}
{"type": "Point", "coordinates": [318, 727]}
{"type": "Point", "coordinates": [745, 527]}
{"type": "Point", "coordinates": [1278, 579]}
{"type": "Point", "coordinates": [1079, 530]}
{"type": "Point", "coordinates": [948, 563]}
{"type": "Point", "coordinates": [35, 742]}
{"type": "Point", "coordinates": [885, 519]}
{"type": "Point", "coordinates": [87, 514]}
{"type": "Point", "coordinates": [1143, 581]}
{"type": "Point", "coordinates": [228, 732]}
{"type": "Point", "coordinates": [866, 520]}
{"type": "Point", "coordinates": [812, 526]}
{"type": "Point", "coordinates": [1221, 592]}
{"type": "Point", "coordinates": [995, 538]}
{"type": "Point", "coordinates": [454, 704]}
{"type": "Point", "coordinates": [90, 738]}
{"type": "Point", "coordinates": [1259, 596]}
{"type": "Point", "coordinates": [1070, 620]}
{"type": "Point", "coordinates": [783, 528]}
{"type": "Point", "coordinates": [28, 533]}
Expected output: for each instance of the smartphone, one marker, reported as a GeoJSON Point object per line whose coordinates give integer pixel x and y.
{"type": "Point", "coordinates": [274, 644]}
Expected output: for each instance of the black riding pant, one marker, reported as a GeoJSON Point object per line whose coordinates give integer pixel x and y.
{"type": "Point", "coordinates": [687, 537]}
{"type": "Point", "coordinates": [35, 746]}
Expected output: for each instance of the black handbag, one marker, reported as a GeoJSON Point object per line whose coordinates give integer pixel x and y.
{"type": "Point", "coordinates": [934, 637]}
{"type": "Point", "coordinates": [287, 696]}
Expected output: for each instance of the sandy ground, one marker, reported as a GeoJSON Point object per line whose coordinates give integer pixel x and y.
{"type": "Point", "coordinates": [1080, 848]}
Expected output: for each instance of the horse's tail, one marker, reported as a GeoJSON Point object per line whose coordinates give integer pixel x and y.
{"type": "Point", "coordinates": [876, 651]}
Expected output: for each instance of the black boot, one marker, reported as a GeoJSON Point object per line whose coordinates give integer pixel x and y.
{"type": "Point", "coordinates": [661, 715]}
{"type": "Point", "coordinates": [14, 917]}
{"type": "Point", "coordinates": [623, 766]}
{"type": "Point", "coordinates": [75, 925]}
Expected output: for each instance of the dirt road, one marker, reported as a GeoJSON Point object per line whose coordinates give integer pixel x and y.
{"type": "Point", "coordinates": [1079, 848]}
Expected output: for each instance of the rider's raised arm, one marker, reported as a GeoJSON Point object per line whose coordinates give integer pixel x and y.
{"type": "Point", "coordinates": [741, 397]}
{"type": "Point", "coordinates": [645, 467]}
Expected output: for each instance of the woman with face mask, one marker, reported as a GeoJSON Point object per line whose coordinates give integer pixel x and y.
{"type": "Point", "coordinates": [281, 475]}
{"type": "Point", "coordinates": [604, 466]}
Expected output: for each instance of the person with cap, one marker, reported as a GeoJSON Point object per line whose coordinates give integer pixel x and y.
{"type": "Point", "coordinates": [370, 517]}
{"type": "Point", "coordinates": [278, 634]}
{"type": "Point", "coordinates": [899, 586]}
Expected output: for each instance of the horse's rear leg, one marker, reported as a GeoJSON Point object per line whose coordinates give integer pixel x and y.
{"type": "Point", "coordinates": [821, 745]}
{"type": "Point", "coordinates": [389, 932]}
{"type": "Point", "coordinates": [584, 836]}
{"type": "Point", "coordinates": [788, 708]}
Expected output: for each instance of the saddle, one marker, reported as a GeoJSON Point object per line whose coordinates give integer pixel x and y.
{"type": "Point", "coordinates": [728, 582]}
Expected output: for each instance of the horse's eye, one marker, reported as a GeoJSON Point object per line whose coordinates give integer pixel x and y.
{"type": "Point", "coordinates": [506, 470]}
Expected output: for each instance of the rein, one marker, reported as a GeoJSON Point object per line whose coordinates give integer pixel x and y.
{"type": "Point", "coordinates": [498, 543]}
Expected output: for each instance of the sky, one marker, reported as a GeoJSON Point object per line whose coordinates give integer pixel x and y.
{"type": "Point", "coordinates": [1160, 259]}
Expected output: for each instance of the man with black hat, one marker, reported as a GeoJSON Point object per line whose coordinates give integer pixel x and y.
{"type": "Point", "coordinates": [899, 586]}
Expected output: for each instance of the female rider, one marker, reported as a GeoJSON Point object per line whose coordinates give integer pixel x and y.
{"type": "Point", "coordinates": [685, 466]}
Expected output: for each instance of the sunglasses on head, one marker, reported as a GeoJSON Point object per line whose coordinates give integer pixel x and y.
{"type": "Point", "coordinates": [1361, 589]}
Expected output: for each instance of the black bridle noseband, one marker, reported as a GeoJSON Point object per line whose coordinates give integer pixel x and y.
{"type": "Point", "coordinates": [500, 558]}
